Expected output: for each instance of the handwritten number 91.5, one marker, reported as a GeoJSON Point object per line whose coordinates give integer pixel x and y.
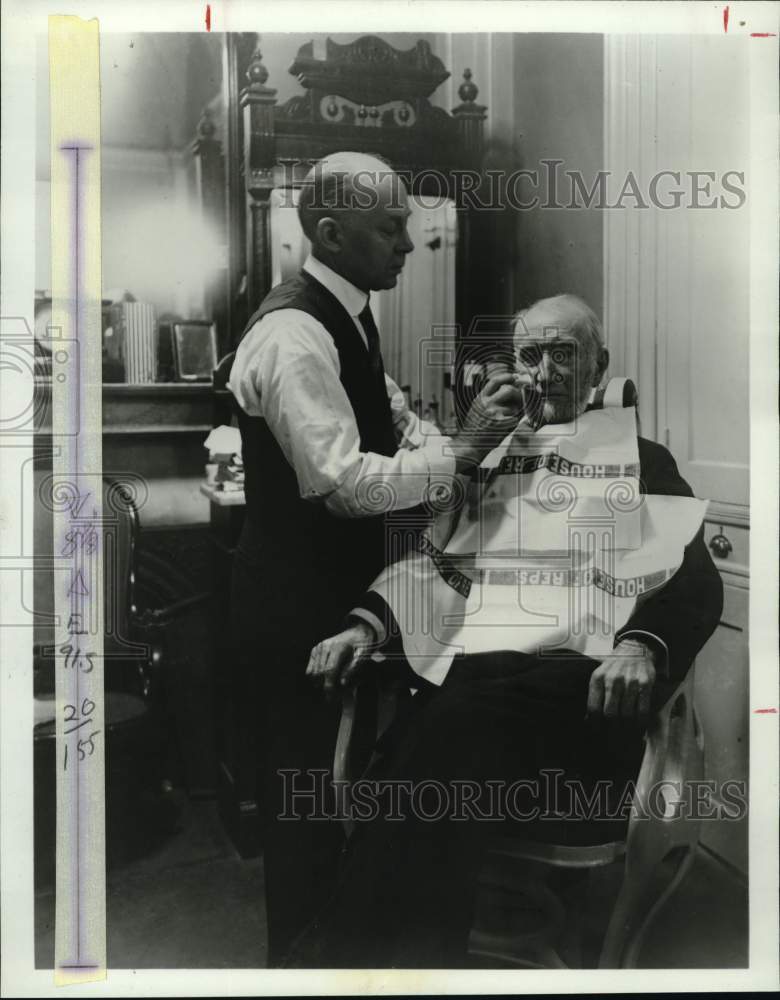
{"type": "Point", "coordinates": [76, 659]}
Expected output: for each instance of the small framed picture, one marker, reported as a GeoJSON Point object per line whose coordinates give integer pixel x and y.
{"type": "Point", "coordinates": [194, 350]}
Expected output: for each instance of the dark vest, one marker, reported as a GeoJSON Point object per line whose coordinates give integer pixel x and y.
{"type": "Point", "coordinates": [293, 540]}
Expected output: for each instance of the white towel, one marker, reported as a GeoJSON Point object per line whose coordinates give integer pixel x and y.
{"type": "Point", "coordinates": [551, 549]}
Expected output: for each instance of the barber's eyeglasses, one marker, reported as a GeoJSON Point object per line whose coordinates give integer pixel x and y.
{"type": "Point", "coordinates": [561, 352]}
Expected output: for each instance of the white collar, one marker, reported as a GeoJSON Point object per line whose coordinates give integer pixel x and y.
{"type": "Point", "coordinates": [353, 300]}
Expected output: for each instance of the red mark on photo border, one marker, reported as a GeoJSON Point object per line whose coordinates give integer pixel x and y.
{"type": "Point", "coordinates": [753, 34]}
{"type": "Point", "coordinates": [208, 17]}
{"type": "Point", "coordinates": [764, 711]}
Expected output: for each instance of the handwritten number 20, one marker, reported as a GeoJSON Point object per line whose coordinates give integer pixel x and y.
{"type": "Point", "coordinates": [87, 708]}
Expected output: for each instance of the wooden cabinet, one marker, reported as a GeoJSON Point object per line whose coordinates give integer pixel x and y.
{"type": "Point", "coordinates": [721, 693]}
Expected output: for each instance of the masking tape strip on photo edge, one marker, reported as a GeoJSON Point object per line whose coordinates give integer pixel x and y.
{"type": "Point", "coordinates": [77, 499]}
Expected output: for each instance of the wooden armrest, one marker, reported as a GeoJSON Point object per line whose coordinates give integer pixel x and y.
{"type": "Point", "coordinates": [674, 749]}
{"type": "Point", "coordinates": [386, 689]}
{"type": "Point", "coordinates": [158, 617]}
{"type": "Point", "coordinates": [344, 737]}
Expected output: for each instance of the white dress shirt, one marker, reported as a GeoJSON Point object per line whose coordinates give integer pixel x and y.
{"type": "Point", "coordinates": [286, 370]}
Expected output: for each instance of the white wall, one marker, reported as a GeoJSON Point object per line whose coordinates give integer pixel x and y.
{"type": "Point", "coordinates": [152, 245]}
{"type": "Point", "coordinates": [153, 88]}
{"type": "Point", "coordinates": [677, 278]}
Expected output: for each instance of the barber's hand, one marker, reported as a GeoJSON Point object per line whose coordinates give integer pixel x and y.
{"type": "Point", "coordinates": [334, 662]}
{"type": "Point", "coordinates": [498, 407]}
{"type": "Point", "coordinates": [493, 414]}
{"type": "Point", "coordinates": [622, 686]}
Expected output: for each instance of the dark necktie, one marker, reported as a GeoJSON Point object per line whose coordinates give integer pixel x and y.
{"type": "Point", "coordinates": [372, 338]}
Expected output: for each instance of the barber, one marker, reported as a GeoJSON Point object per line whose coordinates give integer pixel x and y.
{"type": "Point", "coordinates": [329, 447]}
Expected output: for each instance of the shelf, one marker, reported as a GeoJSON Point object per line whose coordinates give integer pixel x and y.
{"type": "Point", "coordinates": [145, 389]}
{"type": "Point", "coordinates": [735, 515]}
{"type": "Point", "coordinates": [161, 390]}
{"type": "Point", "coordinates": [160, 408]}
{"type": "Point", "coordinates": [157, 429]}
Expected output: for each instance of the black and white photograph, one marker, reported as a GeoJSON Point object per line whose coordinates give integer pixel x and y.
{"type": "Point", "coordinates": [389, 497]}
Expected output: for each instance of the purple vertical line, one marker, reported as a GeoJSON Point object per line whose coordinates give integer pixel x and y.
{"type": "Point", "coordinates": [77, 470]}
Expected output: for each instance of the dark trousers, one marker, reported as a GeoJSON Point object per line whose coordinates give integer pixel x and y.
{"type": "Point", "coordinates": [406, 893]}
{"type": "Point", "coordinates": [275, 623]}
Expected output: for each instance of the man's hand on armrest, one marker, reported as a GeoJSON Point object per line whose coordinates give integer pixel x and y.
{"type": "Point", "coordinates": [334, 662]}
{"type": "Point", "coordinates": [623, 684]}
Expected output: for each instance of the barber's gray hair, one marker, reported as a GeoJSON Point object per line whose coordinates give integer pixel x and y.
{"type": "Point", "coordinates": [327, 188]}
{"type": "Point", "coordinates": [573, 314]}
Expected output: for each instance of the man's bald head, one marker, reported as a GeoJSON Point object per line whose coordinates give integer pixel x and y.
{"type": "Point", "coordinates": [561, 315]}
{"type": "Point", "coordinates": [342, 182]}
{"type": "Point", "coordinates": [353, 207]}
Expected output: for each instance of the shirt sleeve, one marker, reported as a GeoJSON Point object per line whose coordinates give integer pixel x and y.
{"type": "Point", "coordinates": [287, 371]}
{"type": "Point", "coordinates": [656, 645]}
{"type": "Point", "coordinates": [683, 614]}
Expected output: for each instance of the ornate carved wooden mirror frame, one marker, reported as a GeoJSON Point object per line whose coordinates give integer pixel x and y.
{"type": "Point", "coordinates": [365, 96]}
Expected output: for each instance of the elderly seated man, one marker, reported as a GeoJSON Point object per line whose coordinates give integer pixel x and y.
{"type": "Point", "coordinates": [556, 600]}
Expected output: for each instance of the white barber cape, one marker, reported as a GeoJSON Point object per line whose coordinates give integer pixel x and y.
{"type": "Point", "coordinates": [550, 547]}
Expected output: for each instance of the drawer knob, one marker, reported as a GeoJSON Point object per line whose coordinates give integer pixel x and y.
{"type": "Point", "coordinates": [720, 545]}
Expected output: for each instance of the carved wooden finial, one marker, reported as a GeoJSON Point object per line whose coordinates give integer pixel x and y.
{"type": "Point", "coordinates": [257, 93]}
{"type": "Point", "coordinates": [206, 142]}
{"type": "Point", "coordinates": [468, 90]}
{"type": "Point", "coordinates": [256, 72]}
{"type": "Point", "coordinates": [470, 116]}
{"type": "Point", "coordinates": [206, 126]}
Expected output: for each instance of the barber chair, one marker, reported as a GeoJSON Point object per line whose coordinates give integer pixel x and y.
{"type": "Point", "coordinates": [656, 853]}
{"type": "Point", "coordinates": [139, 806]}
